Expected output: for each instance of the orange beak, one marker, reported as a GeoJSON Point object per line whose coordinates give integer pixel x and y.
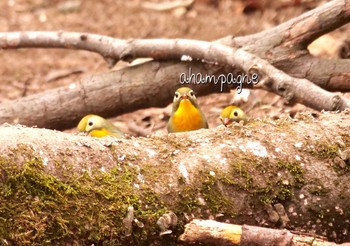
{"type": "Point", "coordinates": [226, 121]}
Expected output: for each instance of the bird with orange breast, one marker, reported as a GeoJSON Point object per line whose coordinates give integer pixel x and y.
{"type": "Point", "coordinates": [96, 126]}
{"type": "Point", "coordinates": [186, 114]}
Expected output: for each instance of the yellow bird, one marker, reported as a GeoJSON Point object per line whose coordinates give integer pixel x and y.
{"type": "Point", "coordinates": [97, 126]}
{"type": "Point", "coordinates": [231, 114]}
{"type": "Point", "coordinates": [186, 114]}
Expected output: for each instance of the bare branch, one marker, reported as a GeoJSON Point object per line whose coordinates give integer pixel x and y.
{"type": "Point", "coordinates": [292, 89]}
{"type": "Point", "coordinates": [270, 45]}
{"type": "Point", "coordinates": [330, 74]}
{"type": "Point", "coordinates": [284, 46]}
{"type": "Point", "coordinates": [216, 233]}
{"type": "Point", "coordinates": [123, 91]}
{"type": "Point", "coordinates": [297, 32]}
{"type": "Point", "coordinates": [295, 90]}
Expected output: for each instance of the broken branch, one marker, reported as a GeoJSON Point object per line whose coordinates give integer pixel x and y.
{"type": "Point", "coordinates": [272, 79]}
{"type": "Point", "coordinates": [217, 233]}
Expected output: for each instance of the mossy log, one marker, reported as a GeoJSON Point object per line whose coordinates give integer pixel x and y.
{"type": "Point", "coordinates": [59, 188]}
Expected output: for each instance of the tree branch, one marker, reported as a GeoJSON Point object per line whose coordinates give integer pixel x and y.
{"type": "Point", "coordinates": [216, 233]}
{"type": "Point", "coordinates": [131, 93]}
{"type": "Point", "coordinates": [328, 73]}
{"type": "Point", "coordinates": [284, 46]}
{"type": "Point", "coordinates": [297, 32]}
{"type": "Point", "coordinates": [280, 46]}
{"type": "Point", "coordinates": [123, 91]}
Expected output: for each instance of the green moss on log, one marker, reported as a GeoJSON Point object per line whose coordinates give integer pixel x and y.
{"type": "Point", "coordinates": [324, 150]}
{"type": "Point", "coordinates": [38, 208]}
{"type": "Point", "coordinates": [88, 208]}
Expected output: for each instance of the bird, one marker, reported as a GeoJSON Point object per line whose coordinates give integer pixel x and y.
{"type": "Point", "coordinates": [96, 126]}
{"type": "Point", "coordinates": [186, 114]}
{"type": "Point", "coordinates": [232, 113]}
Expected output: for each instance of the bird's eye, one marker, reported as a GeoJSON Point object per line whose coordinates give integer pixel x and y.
{"type": "Point", "coordinates": [176, 95]}
{"type": "Point", "coordinates": [191, 94]}
{"type": "Point", "coordinates": [235, 113]}
{"type": "Point", "coordinates": [90, 123]}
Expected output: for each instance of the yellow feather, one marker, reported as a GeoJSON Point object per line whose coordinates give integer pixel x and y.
{"type": "Point", "coordinates": [186, 115]}
{"type": "Point", "coordinates": [100, 133]}
{"type": "Point", "coordinates": [97, 126]}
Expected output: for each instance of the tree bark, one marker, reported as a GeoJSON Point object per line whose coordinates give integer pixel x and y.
{"type": "Point", "coordinates": [216, 233]}
{"type": "Point", "coordinates": [283, 46]}
{"type": "Point", "coordinates": [108, 94]}
{"type": "Point", "coordinates": [63, 188]}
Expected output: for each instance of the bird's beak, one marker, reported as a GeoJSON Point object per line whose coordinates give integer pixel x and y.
{"type": "Point", "coordinates": [84, 133]}
{"type": "Point", "coordinates": [226, 121]}
{"type": "Point", "coordinates": [184, 97]}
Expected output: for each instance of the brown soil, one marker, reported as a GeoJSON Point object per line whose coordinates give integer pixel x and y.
{"type": "Point", "coordinates": [28, 71]}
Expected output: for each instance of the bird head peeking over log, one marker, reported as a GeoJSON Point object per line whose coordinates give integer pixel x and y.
{"type": "Point", "coordinates": [232, 114]}
{"type": "Point", "coordinates": [96, 126]}
{"type": "Point", "coordinates": [186, 114]}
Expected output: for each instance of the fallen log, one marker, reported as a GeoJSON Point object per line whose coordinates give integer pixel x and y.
{"type": "Point", "coordinates": [62, 188]}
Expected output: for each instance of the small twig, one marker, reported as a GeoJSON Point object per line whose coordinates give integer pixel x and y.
{"type": "Point", "coordinates": [60, 74]}
{"type": "Point", "coordinates": [216, 233]}
{"type": "Point", "coordinates": [167, 6]}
